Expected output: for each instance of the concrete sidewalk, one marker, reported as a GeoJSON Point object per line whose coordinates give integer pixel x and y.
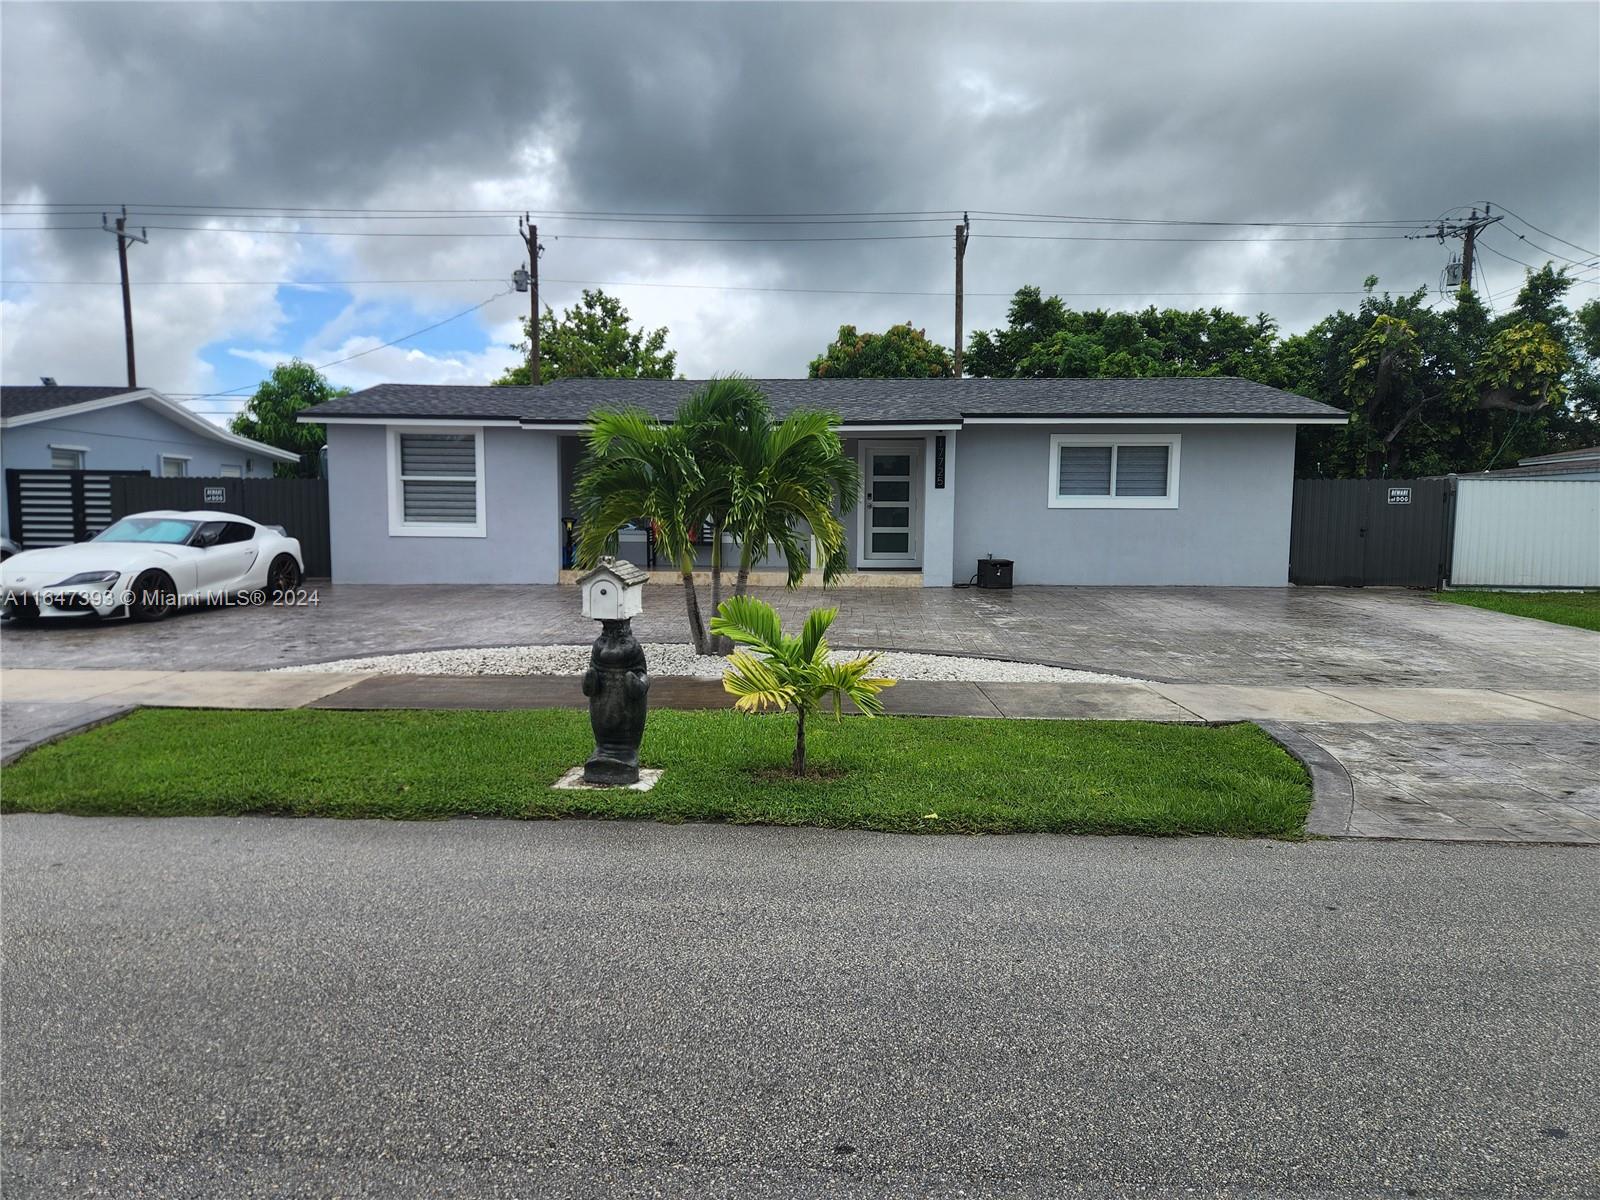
{"type": "Point", "coordinates": [1078, 701]}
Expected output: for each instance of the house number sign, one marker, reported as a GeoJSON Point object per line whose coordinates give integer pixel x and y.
{"type": "Point", "coordinates": [938, 460]}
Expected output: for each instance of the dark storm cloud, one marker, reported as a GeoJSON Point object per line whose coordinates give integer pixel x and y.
{"type": "Point", "coordinates": [1206, 111]}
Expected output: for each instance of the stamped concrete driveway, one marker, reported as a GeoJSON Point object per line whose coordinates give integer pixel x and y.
{"type": "Point", "coordinates": [1457, 723]}
{"type": "Point", "coordinates": [1204, 635]}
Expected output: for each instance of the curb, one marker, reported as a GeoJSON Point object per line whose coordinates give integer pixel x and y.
{"type": "Point", "coordinates": [67, 731]}
{"type": "Point", "coordinates": [1333, 793]}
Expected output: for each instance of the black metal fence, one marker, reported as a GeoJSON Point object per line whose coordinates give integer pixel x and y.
{"type": "Point", "coordinates": [299, 505]}
{"type": "Point", "coordinates": [1372, 532]}
{"type": "Point", "coordinates": [56, 508]}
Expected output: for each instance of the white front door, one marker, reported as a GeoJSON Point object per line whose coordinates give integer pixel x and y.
{"type": "Point", "coordinates": [891, 507]}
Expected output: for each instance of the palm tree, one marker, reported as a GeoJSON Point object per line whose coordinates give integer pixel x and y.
{"type": "Point", "coordinates": [635, 467]}
{"type": "Point", "coordinates": [795, 672]}
{"type": "Point", "coordinates": [783, 476]}
{"type": "Point", "coordinates": [721, 412]}
{"type": "Point", "coordinates": [726, 462]}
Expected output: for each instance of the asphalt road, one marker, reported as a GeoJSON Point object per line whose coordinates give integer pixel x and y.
{"type": "Point", "coordinates": [278, 1007]}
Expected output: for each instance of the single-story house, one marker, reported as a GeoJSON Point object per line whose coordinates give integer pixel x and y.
{"type": "Point", "coordinates": [46, 428]}
{"type": "Point", "coordinates": [1079, 481]}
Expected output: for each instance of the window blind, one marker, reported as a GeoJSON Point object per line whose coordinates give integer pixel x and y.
{"type": "Point", "coordinates": [1085, 471]}
{"type": "Point", "coordinates": [1142, 470]}
{"type": "Point", "coordinates": [438, 478]}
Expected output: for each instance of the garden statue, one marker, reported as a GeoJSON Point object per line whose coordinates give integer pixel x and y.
{"type": "Point", "coordinates": [617, 682]}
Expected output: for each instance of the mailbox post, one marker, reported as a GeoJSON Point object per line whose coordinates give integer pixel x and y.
{"type": "Point", "coordinates": [617, 681]}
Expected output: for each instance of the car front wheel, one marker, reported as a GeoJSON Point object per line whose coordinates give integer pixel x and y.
{"type": "Point", "coordinates": [282, 577]}
{"type": "Point", "coordinates": [154, 597]}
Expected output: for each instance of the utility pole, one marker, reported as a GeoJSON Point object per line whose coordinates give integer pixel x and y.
{"type": "Point", "coordinates": [120, 228]}
{"type": "Point", "coordinates": [963, 231]}
{"type": "Point", "coordinates": [1467, 231]}
{"type": "Point", "coordinates": [530, 236]}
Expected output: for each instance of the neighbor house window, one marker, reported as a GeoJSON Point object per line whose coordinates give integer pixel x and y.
{"type": "Point", "coordinates": [174, 466]}
{"type": "Point", "coordinates": [436, 482]}
{"type": "Point", "coordinates": [1127, 471]}
{"type": "Point", "coordinates": [231, 471]}
{"type": "Point", "coordinates": [66, 458]}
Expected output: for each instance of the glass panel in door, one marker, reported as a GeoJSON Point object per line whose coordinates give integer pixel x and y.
{"type": "Point", "coordinates": [889, 521]}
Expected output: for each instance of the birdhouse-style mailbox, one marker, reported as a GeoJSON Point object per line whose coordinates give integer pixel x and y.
{"type": "Point", "coordinates": [613, 590]}
{"type": "Point", "coordinates": [617, 681]}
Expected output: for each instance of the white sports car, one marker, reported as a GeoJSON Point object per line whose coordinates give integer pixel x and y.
{"type": "Point", "coordinates": [146, 565]}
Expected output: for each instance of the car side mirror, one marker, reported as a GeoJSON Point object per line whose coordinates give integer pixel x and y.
{"type": "Point", "coordinates": [206, 539]}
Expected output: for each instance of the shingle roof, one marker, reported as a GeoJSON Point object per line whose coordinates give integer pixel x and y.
{"type": "Point", "coordinates": [22, 401]}
{"type": "Point", "coordinates": [857, 401]}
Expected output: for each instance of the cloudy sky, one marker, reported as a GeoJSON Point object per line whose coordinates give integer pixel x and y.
{"type": "Point", "coordinates": [206, 118]}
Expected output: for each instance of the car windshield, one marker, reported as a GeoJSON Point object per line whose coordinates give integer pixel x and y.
{"type": "Point", "coordinates": [148, 529]}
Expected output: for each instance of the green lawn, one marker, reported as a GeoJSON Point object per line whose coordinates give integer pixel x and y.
{"type": "Point", "coordinates": [902, 774]}
{"type": "Point", "coordinates": [1563, 608]}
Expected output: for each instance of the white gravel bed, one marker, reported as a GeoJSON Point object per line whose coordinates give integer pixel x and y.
{"type": "Point", "coordinates": [680, 659]}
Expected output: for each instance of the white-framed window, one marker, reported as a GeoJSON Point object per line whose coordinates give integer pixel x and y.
{"type": "Point", "coordinates": [436, 481]}
{"type": "Point", "coordinates": [67, 458]}
{"type": "Point", "coordinates": [174, 466]}
{"type": "Point", "coordinates": [1128, 470]}
{"type": "Point", "coordinates": [231, 471]}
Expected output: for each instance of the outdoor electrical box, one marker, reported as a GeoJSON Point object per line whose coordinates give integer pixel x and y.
{"type": "Point", "coordinates": [994, 573]}
{"type": "Point", "coordinates": [613, 591]}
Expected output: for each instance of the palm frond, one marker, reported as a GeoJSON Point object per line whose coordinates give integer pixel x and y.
{"type": "Point", "coordinates": [750, 622]}
{"type": "Point", "coordinates": [755, 685]}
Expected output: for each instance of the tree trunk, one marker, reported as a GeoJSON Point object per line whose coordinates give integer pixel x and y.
{"type": "Point", "coordinates": [741, 583]}
{"type": "Point", "coordinates": [799, 763]}
{"type": "Point", "coordinates": [720, 644]}
{"type": "Point", "coordinates": [691, 601]}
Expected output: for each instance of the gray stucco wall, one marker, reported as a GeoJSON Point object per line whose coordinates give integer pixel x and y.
{"type": "Point", "coordinates": [124, 437]}
{"type": "Point", "coordinates": [1231, 527]}
{"type": "Point", "coordinates": [522, 542]}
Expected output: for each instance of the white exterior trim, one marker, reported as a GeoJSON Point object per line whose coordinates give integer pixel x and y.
{"type": "Point", "coordinates": [1171, 440]}
{"type": "Point", "coordinates": [1110, 420]}
{"type": "Point", "coordinates": [867, 429]}
{"type": "Point", "coordinates": [398, 526]}
{"type": "Point", "coordinates": [154, 400]}
{"type": "Point", "coordinates": [432, 422]}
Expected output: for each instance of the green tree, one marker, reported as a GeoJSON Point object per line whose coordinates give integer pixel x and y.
{"type": "Point", "coordinates": [793, 672]}
{"type": "Point", "coordinates": [900, 352]}
{"type": "Point", "coordinates": [270, 415]}
{"type": "Point", "coordinates": [593, 339]}
{"type": "Point", "coordinates": [1044, 339]}
{"type": "Point", "coordinates": [637, 467]}
{"type": "Point", "coordinates": [1436, 390]}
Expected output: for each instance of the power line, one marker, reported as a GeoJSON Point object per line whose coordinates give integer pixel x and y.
{"type": "Point", "coordinates": [609, 237]}
{"type": "Point", "coordinates": [452, 212]}
{"type": "Point", "coordinates": [716, 287]}
{"type": "Point", "coordinates": [1546, 232]}
{"type": "Point", "coordinates": [363, 353]}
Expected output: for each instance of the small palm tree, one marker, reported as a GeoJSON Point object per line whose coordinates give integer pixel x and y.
{"type": "Point", "coordinates": [634, 467]}
{"type": "Point", "coordinates": [782, 475]}
{"type": "Point", "coordinates": [795, 672]}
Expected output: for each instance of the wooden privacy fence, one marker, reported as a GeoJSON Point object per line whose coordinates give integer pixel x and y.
{"type": "Point", "coordinates": [299, 505]}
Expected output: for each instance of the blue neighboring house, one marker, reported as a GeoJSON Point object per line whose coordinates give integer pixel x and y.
{"type": "Point", "coordinates": [49, 430]}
